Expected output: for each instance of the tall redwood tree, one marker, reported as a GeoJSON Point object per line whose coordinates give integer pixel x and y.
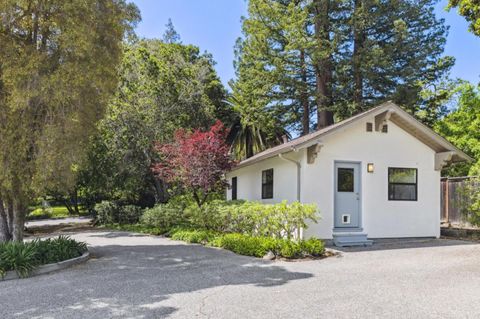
{"type": "Point", "coordinates": [196, 160]}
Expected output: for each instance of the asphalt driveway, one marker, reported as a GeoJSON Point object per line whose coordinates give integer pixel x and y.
{"type": "Point", "coordinates": [136, 276]}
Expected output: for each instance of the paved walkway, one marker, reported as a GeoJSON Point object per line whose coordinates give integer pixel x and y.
{"type": "Point", "coordinates": [136, 276]}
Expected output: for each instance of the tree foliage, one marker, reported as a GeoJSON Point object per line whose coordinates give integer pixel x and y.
{"type": "Point", "coordinates": [462, 128]}
{"type": "Point", "coordinates": [252, 132]}
{"type": "Point", "coordinates": [298, 58]}
{"type": "Point", "coordinates": [196, 160]}
{"type": "Point", "coordinates": [57, 72]}
{"type": "Point", "coordinates": [470, 10]}
{"type": "Point", "coordinates": [163, 87]}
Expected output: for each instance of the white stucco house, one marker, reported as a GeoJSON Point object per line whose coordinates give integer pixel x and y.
{"type": "Point", "coordinates": [374, 175]}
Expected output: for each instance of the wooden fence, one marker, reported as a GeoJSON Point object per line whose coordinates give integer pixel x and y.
{"type": "Point", "coordinates": [452, 200]}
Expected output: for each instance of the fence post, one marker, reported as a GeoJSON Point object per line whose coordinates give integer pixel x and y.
{"type": "Point", "coordinates": [447, 202]}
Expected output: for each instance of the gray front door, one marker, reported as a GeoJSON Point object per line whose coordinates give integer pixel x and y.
{"type": "Point", "coordinates": [347, 195]}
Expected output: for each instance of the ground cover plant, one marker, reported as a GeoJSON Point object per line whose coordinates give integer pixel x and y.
{"type": "Point", "coordinates": [24, 257]}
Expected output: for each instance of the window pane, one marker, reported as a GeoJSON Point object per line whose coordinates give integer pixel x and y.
{"type": "Point", "coordinates": [234, 188]}
{"type": "Point", "coordinates": [267, 183]}
{"type": "Point", "coordinates": [402, 175]}
{"type": "Point", "coordinates": [267, 176]}
{"type": "Point", "coordinates": [402, 192]}
{"type": "Point", "coordinates": [345, 180]}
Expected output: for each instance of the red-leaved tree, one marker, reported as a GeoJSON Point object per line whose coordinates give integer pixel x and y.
{"type": "Point", "coordinates": [196, 160]}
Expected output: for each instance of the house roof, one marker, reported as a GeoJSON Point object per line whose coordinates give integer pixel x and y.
{"type": "Point", "coordinates": [394, 113]}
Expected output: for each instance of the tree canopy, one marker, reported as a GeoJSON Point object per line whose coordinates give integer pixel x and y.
{"type": "Point", "coordinates": [196, 160]}
{"type": "Point", "coordinates": [57, 72]}
{"type": "Point", "coordinates": [163, 86]}
{"type": "Point", "coordinates": [470, 10]}
{"type": "Point", "coordinates": [462, 128]}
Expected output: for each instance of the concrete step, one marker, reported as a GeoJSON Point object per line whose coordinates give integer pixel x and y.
{"type": "Point", "coordinates": [347, 239]}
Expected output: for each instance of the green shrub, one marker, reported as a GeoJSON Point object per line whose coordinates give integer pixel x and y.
{"type": "Point", "coordinates": [193, 236]}
{"type": "Point", "coordinates": [107, 212]}
{"type": "Point", "coordinates": [313, 247]}
{"type": "Point", "coordinates": [469, 200]}
{"type": "Point", "coordinates": [129, 214]}
{"type": "Point", "coordinates": [245, 245]}
{"type": "Point", "coordinates": [260, 246]}
{"type": "Point", "coordinates": [289, 249]}
{"type": "Point", "coordinates": [110, 212]}
{"type": "Point", "coordinates": [280, 220]}
{"type": "Point", "coordinates": [25, 257]}
{"type": "Point", "coordinates": [163, 216]}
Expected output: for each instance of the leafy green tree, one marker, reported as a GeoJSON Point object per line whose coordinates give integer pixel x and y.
{"type": "Point", "coordinates": [462, 128]}
{"type": "Point", "coordinates": [470, 10]}
{"type": "Point", "coordinates": [57, 72]}
{"type": "Point", "coordinates": [163, 87]}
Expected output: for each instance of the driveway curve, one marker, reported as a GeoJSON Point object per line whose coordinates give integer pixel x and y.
{"type": "Point", "coordinates": [138, 276]}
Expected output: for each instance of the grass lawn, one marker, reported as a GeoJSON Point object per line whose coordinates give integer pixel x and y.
{"type": "Point", "coordinates": [54, 212]}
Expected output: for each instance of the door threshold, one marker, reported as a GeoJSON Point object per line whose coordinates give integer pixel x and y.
{"type": "Point", "coordinates": [347, 229]}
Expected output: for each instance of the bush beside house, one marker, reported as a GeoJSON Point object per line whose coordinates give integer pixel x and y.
{"type": "Point", "coordinates": [246, 228]}
{"type": "Point", "coordinates": [194, 164]}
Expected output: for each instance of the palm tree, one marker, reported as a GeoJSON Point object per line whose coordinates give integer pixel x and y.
{"type": "Point", "coordinates": [246, 138]}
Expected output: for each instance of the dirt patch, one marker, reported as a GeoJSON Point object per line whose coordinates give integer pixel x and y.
{"type": "Point", "coordinates": [43, 230]}
{"type": "Point", "coordinates": [461, 233]}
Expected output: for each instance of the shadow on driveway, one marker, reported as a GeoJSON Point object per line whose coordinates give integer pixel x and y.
{"type": "Point", "coordinates": [132, 275]}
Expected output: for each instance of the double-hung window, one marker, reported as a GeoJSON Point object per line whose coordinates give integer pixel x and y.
{"type": "Point", "coordinates": [402, 183]}
{"type": "Point", "coordinates": [234, 188]}
{"type": "Point", "coordinates": [267, 183]}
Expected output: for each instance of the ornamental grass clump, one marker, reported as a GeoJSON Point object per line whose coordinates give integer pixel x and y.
{"type": "Point", "coordinates": [24, 257]}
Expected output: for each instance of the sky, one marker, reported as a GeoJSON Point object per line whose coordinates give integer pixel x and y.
{"type": "Point", "coordinates": [215, 25]}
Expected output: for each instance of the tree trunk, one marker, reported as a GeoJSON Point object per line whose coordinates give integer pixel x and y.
{"type": "Point", "coordinates": [249, 144]}
{"type": "Point", "coordinates": [5, 234]}
{"type": "Point", "coordinates": [323, 64]}
{"type": "Point", "coordinates": [161, 194]}
{"type": "Point", "coordinates": [198, 200]}
{"type": "Point", "coordinates": [358, 49]}
{"type": "Point", "coordinates": [18, 222]}
{"type": "Point", "coordinates": [304, 96]}
{"type": "Point", "coordinates": [66, 203]}
{"type": "Point", "coordinates": [74, 197]}
{"type": "Point", "coordinates": [10, 216]}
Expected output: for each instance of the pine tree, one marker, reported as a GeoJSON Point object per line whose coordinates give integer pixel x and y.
{"type": "Point", "coordinates": [171, 35]}
{"type": "Point", "coordinates": [273, 62]}
{"type": "Point", "coordinates": [340, 57]}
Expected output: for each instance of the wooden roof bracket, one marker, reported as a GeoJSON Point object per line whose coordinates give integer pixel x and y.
{"type": "Point", "coordinates": [443, 159]}
{"type": "Point", "coordinates": [381, 118]}
{"type": "Point", "coordinates": [312, 152]}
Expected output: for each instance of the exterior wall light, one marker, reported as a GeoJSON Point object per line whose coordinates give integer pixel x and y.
{"type": "Point", "coordinates": [370, 167]}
